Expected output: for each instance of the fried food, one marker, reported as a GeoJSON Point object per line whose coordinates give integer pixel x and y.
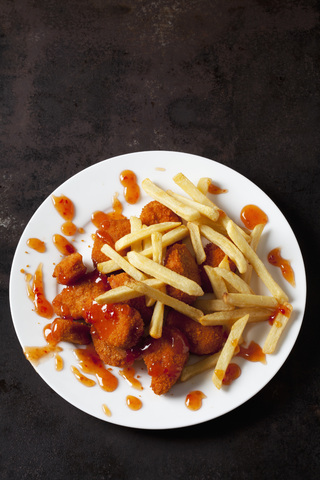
{"type": "Point", "coordinates": [179, 259]}
{"type": "Point", "coordinates": [70, 269]}
{"type": "Point", "coordinates": [165, 359]}
{"type": "Point", "coordinates": [114, 356]}
{"type": "Point", "coordinates": [67, 330]}
{"type": "Point", "coordinates": [109, 232]}
{"type": "Point", "coordinates": [203, 340]}
{"type": "Point", "coordinates": [119, 325]}
{"type": "Point", "coordinates": [74, 300]}
{"type": "Point", "coordinates": [156, 212]}
{"type": "Point", "coordinates": [214, 256]}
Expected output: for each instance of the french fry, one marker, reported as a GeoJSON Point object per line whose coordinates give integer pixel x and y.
{"type": "Point", "coordinates": [257, 264]}
{"type": "Point", "coordinates": [123, 293]}
{"type": "Point", "coordinates": [218, 284]}
{"type": "Point", "coordinates": [143, 233]}
{"type": "Point", "coordinates": [228, 350]}
{"type": "Point", "coordinates": [256, 314]}
{"type": "Point", "coordinates": [279, 324]}
{"type": "Point", "coordinates": [156, 324]}
{"type": "Point", "coordinates": [205, 210]}
{"type": "Point", "coordinates": [181, 307]}
{"type": "Point", "coordinates": [136, 225]}
{"type": "Point", "coordinates": [189, 188]}
{"type": "Point", "coordinates": [156, 241]}
{"type": "Point", "coordinates": [122, 263]}
{"type": "Point", "coordinates": [254, 241]}
{"type": "Point", "coordinates": [195, 238]}
{"type": "Point", "coordinates": [184, 211]}
{"type": "Point", "coordinates": [249, 300]}
{"type": "Point", "coordinates": [233, 279]}
{"type": "Point", "coordinates": [204, 184]}
{"type": "Point", "coordinates": [226, 246]}
{"type": "Point", "coordinates": [225, 263]}
{"type": "Point", "coordinates": [164, 274]}
{"type": "Point", "coordinates": [210, 305]}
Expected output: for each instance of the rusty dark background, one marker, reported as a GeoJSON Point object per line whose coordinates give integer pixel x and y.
{"type": "Point", "coordinates": [235, 81]}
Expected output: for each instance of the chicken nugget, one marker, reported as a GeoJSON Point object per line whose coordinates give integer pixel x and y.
{"type": "Point", "coordinates": [74, 300]}
{"type": "Point", "coordinates": [70, 269]}
{"type": "Point", "coordinates": [109, 232]}
{"type": "Point", "coordinates": [203, 340]}
{"type": "Point", "coordinates": [114, 356]}
{"type": "Point", "coordinates": [67, 330]}
{"type": "Point", "coordinates": [155, 212]}
{"type": "Point", "coordinates": [214, 256]}
{"type": "Point", "coordinates": [179, 259]}
{"type": "Point", "coordinates": [165, 358]}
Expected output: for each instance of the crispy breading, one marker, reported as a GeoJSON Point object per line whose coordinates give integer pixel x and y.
{"type": "Point", "coordinates": [67, 330]}
{"type": "Point", "coordinates": [70, 269]}
{"type": "Point", "coordinates": [179, 259]}
{"type": "Point", "coordinates": [155, 212]}
{"type": "Point", "coordinates": [165, 359]}
{"type": "Point", "coordinates": [203, 340]}
{"type": "Point", "coordinates": [73, 301]}
{"type": "Point", "coordinates": [109, 232]}
{"type": "Point", "coordinates": [114, 356]}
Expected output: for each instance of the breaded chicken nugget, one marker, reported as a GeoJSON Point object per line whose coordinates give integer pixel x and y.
{"type": "Point", "coordinates": [67, 330]}
{"type": "Point", "coordinates": [119, 325]}
{"type": "Point", "coordinates": [165, 359]}
{"type": "Point", "coordinates": [70, 269]}
{"type": "Point", "coordinates": [203, 340]}
{"type": "Point", "coordinates": [155, 212]}
{"type": "Point", "coordinates": [179, 259]}
{"type": "Point", "coordinates": [73, 301]}
{"type": "Point", "coordinates": [214, 256]}
{"type": "Point", "coordinates": [114, 356]}
{"type": "Point", "coordinates": [109, 232]}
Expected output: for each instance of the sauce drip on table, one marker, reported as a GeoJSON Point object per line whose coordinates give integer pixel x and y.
{"type": "Point", "coordinates": [128, 180]}
{"type": "Point", "coordinates": [275, 258]}
{"type": "Point", "coordinates": [36, 244]}
{"type": "Point", "coordinates": [251, 216]}
{"type": "Point", "coordinates": [194, 400]}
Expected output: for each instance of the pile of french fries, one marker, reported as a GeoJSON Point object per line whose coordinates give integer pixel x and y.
{"type": "Point", "coordinates": [233, 302]}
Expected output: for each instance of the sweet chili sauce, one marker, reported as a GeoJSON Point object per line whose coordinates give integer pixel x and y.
{"type": "Point", "coordinates": [133, 402]}
{"type": "Point", "coordinates": [253, 353]}
{"type": "Point", "coordinates": [251, 215]}
{"type": "Point", "coordinates": [128, 373]}
{"type": "Point", "coordinates": [36, 244]}
{"type": "Point", "coordinates": [128, 180]}
{"type": "Point", "coordinates": [64, 207]}
{"type": "Point", "coordinates": [232, 373]}
{"type": "Point", "coordinates": [90, 362]}
{"type": "Point", "coordinates": [63, 245]}
{"type": "Point", "coordinates": [275, 258]}
{"type": "Point", "coordinates": [194, 399]}
{"type": "Point", "coordinates": [36, 294]}
{"type": "Point", "coordinates": [215, 190]}
{"type": "Point", "coordinates": [99, 217]}
{"type": "Point", "coordinates": [106, 410]}
{"type": "Point", "coordinates": [87, 382]}
{"type": "Point", "coordinates": [68, 228]}
{"type": "Point", "coordinates": [35, 354]}
{"type": "Point", "coordinates": [283, 309]}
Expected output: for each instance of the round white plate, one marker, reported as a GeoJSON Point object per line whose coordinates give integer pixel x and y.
{"type": "Point", "coordinates": [93, 189]}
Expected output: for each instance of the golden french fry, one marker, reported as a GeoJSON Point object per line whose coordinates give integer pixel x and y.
{"type": "Point", "coordinates": [226, 246]}
{"type": "Point", "coordinates": [195, 238]}
{"type": "Point", "coordinates": [226, 317]}
{"type": "Point", "coordinates": [234, 280]}
{"type": "Point", "coordinates": [205, 210]}
{"type": "Point", "coordinates": [201, 366]}
{"type": "Point", "coordinates": [143, 233]}
{"type": "Point", "coordinates": [123, 293]}
{"type": "Point", "coordinates": [136, 225]}
{"type": "Point", "coordinates": [279, 323]}
{"type": "Point", "coordinates": [181, 307]}
{"type": "Point", "coordinates": [228, 349]}
{"type": "Point", "coordinates": [188, 187]}
{"type": "Point", "coordinates": [257, 264]}
{"type": "Point", "coordinates": [204, 184]}
{"type": "Point", "coordinates": [218, 284]}
{"type": "Point", "coordinates": [225, 263]}
{"type": "Point", "coordinates": [156, 323]}
{"type": "Point", "coordinates": [156, 241]}
{"type": "Point", "coordinates": [249, 300]}
{"type": "Point", "coordinates": [164, 274]}
{"type": "Point", "coordinates": [254, 241]}
{"type": "Point", "coordinates": [184, 211]}
{"type": "Point", "coordinates": [209, 305]}
{"type": "Point", "coordinates": [122, 263]}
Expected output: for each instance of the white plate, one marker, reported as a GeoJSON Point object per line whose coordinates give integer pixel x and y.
{"type": "Point", "coordinates": [93, 189]}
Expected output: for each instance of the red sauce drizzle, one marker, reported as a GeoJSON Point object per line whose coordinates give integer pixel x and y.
{"type": "Point", "coordinates": [128, 179]}
{"type": "Point", "coordinates": [251, 216]}
{"type": "Point", "coordinates": [232, 373]}
{"type": "Point", "coordinates": [35, 354]}
{"type": "Point", "coordinates": [275, 258]}
{"type": "Point", "coordinates": [36, 294]}
{"type": "Point", "coordinates": [68, 228]}
{"type": "Point", "coordinates": [36, 244]}
{"type": "Point", "coordinates": [87, 382]}
{"type": "Point", "coordinates": [281, 309]}
{"type": "Point", "coordinates": [63, 245]}
{"type": "Point", "coordinates": [90, 362]}
{"type": "Point", "coordinates": [106, 410]}
{"type": "Point", "coordinates": [253, 353]}
{"type": "Point", "coordinates": [133, 402]}
{"type": "Point", "coordinates": [215, 190]}
{"type": "Point", "coordinates": [194, 400]}
{"type": "Point", "coordinates": [98, 217]}
{"type": "Point", "coordinates": [64, 206]}
{"type": "Point", "coordinates": [128, 373]}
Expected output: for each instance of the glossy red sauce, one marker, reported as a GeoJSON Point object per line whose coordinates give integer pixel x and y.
{"type": "Point", "coordinates": [35, 354]}
{"type": "Point", "coordinates": [283, 309]}
{"type": "Point", "coordinates": [128, 180]}
{"type": "Point", "coordinates": [232, 373]}
{"type": "Point", "coordinates": [68, 228]}
{"type": "Point", "coordinates": [253, 353]}
{"type": "Point", "coordinates": [64, 206]}
{"type": "Point", "coordinates": [215, 190]}
{"type": "Point", "coordinates": [58, 362]}
{"type": "Point", "coordinates": [36, 244]}
{"type": "Point", "coordinates": [63, 245]}
{"type": "Point", "coordinates": [87, 382]}
{"type": "Point", "coordinates": [90, 362]}
{"type": "Point", "coordinates": [194, 399]}
{"type": "Point", "coordinates": [106, 410]}
{"type": "Point", "coordinates": [37, 295]}
{"type": "Point", "coordinates": [105, 317]}
{"type": "Point", "coordinates": [275, 258]}
{"type": "Point", "coordinates": [251, 216]}
{"type": "Point", "coordinates": [99, 217]}
{"type": "Point", "coordinates": [128, 373]}
{"type": "Point", "coordinates": [133, 402]}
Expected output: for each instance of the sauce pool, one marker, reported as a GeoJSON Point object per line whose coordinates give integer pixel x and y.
{"type": "Point", "coordinates": [253, 353]}
{"type": "Point", "coordinates": [194, 400]}
{"type": "Point", "coordinates": [128, 180]}
{"type": "Point", "coordinates": [133, 402]}
{"type": "Point", "coordinates": [275, 259]}
{"type": "Point", "coordinates": [251, 216]}
{"type": "Point", "coordinates": [63, 245]}
{"type": "Point", "coordinates": [36, 244]}
{"type": "Point", "coordinates": [64, 206]}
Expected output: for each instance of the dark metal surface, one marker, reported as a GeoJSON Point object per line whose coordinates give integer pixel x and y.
{"type": "Point", "coordinates": [235, 81]}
